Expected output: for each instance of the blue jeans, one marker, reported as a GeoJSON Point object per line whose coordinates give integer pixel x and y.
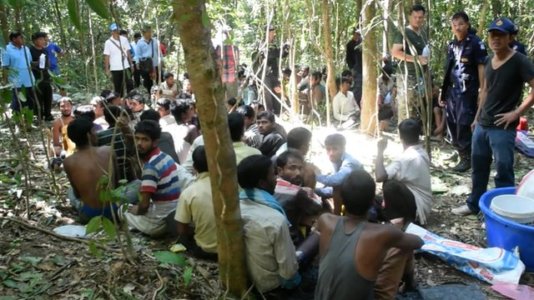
{"type": "Point", "coordinates": [488, 142]}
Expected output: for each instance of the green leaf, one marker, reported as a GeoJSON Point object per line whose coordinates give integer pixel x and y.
{"type": "Point", "coordinates": [109, 228]}
{"type": "Point", "coordinates": [6, 95]}
{"type": "Point", "coordinates": [168, 257]}
{"type": "Point", "coordinates": [99, 7]}
{"type": "Point", "coordinates": [8, 298]}
{"type": "Point", "coordinates": [73, 8]}
{"type": "Point", "coordinates": [188, 275]}
{"type": "Point", "coordinates": [94, 225]}
{"type": "Point", "coordinates": [11, 283]}
{"type": "Point", "coordinates": [205, 19]}
{"type": "Point", "coordinates": [31, 260]}
{"type": "Point", "coordinates": [93, 249]}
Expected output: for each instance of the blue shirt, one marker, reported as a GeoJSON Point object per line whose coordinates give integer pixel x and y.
{"type": "Point", "coordinates": [51, 51]}
{"type": "Point", "coordinates": [18, 60]}
{"type": "Point", "coordinates": [148, 49]}
{"type": "Point", "coordinates": [343, 168]}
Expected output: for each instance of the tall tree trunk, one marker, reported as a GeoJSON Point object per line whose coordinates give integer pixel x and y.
{"type": "Point", "coordinates": [369, 116]}
{"type": "Point", "coordinates": [482, 18]}
{"type": "Point", "coordinates": [358, 13]}
{"type": "Point", "coordinates": [193, 27]}
{"type": "Point", "coordinates": [329, 56]}
{"type": "Point", "coordinates": [60, 24]}
{"type": "Point", "coordinates": [3, 23]}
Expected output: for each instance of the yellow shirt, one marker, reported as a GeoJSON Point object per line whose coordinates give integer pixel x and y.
{"type": "Point", "coordinates": [243, 151]}
{"type": "Point", "coordinates": [196, 207]}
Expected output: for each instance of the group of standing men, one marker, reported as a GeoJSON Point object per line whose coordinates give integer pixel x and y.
{"type": "Point", "coordinates": [27, 70]}
{"type": "Point", "coordinates": [481, 93]}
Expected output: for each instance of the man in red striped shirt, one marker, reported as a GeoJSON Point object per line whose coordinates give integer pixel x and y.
{"type": "Point", "coordinates": [159, 191]}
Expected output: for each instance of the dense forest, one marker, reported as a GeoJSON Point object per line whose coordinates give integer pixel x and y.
{"type": "Point", "coordinates": [316, 32]}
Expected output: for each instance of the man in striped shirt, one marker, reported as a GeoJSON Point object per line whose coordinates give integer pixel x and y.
{"type": "Point", "coordinates": [159, 191]}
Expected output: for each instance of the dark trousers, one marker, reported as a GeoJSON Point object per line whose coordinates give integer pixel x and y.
{"type": "Point", "coordinates": [22, 97]}
{"type": "Point", "coordinates": [488, 142]}
{"type": "Point", "coordinates": [137, 76]}
{"type": "Point", "coordinates": [461, 136]}
{"type": "Point", "coordinates": [120, 79]}
{"type": "Point", "coordinates": [43, 91]}
{"type": "Point", "coordinates": [147, 80]}
{"type": "Point", "coordinates": [357, 83]}
{"type": "Point", "coordinates": [271, 103]}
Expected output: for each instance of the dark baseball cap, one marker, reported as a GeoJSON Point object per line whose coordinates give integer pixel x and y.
{"type": "Point", "coordinates": [502, 24]}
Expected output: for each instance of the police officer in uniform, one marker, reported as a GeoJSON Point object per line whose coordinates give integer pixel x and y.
{"type": "Point", "coordinates": [515, 44]}
{"type": "Point", "coordinates": [464, 75]}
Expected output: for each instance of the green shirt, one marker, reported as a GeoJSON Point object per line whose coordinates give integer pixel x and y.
{"type": "Point", "coordinates": [418, 41]}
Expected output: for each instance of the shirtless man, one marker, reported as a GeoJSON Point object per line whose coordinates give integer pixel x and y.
{"type": "Point", "coordinates": [84, 169]}
{"type": "Point", "coordinates": [59, 129]}
{"type": "Point", "coordinates": [352, 250]}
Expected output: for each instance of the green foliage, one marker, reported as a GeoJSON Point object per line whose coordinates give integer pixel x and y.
{"type": "Point", "coordinates": [99, 7]}
{"type": "Point", "coordinates": [168, 257]}
{"type": "Point", "coordinates": [188, 276]}
{"type": "Point", "coordinates": [73, 8]}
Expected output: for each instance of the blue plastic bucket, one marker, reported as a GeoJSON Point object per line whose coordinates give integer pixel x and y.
{"type": "Point", "coordinates": [506, 234]}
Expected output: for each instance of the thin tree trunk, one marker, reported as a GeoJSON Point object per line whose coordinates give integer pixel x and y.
{"type": "Point", "coordinates": [93, 52]}
{"type": "Point", "coordinates": [369, 116]}
{"type": "Point", "coordinates": [3, 22]}
{"type": "Point", "coordinates": [482, 18]}
{"type": "Point", "coordinates": [331, 89]}
{"type": "Point", "coordinates": [60, 24]}
{"type": "Point", "coordinates": [200, 62]}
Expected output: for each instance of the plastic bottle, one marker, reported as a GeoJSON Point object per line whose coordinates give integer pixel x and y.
{"type": "Point", "coordinates": [42, 61]}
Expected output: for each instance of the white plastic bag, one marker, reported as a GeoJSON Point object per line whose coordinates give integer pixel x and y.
{"type": "Point", "coordinates": [526, 187]}
{"type": "Point", "coordinates": [492, 265]}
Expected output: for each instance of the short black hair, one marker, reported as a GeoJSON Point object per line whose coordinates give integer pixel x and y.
{"type": "Point", "coordinates": [200, 160]}
{"type": "Point", "coordinates": [168, 75]}
{"type": "Point", "coordinates": [111, 114]}
{"type": "Point", "coordinates": [409, 131]}
{"type": "Point", "coordinates": [298, 137]}
{"type": "Point", "coordinates": [165, 103]}
{"type": "Point", "coordinates": [150, 128]}
{"type": "Point", "coordinates": [78, 129]}
{"type": "Point", "coordinates": [150, 114]}
{"type": "Point", "coordinates": [247, 111]}
{"type": "Point", "coordinates": [335, 139]}
{"type": "Point", "coordinates": [399, 200]}
{"type": "Point", "coordinates": [231, 101]}
{"type": "Point", "coordinates": [85, 111]}
{"type": "Point", "coordinates": [317, 75]}
{"type": "Point", "coordinates": [252, 169]}
{"type": "Point", "coordinates": [181, 107]}
{"type": "Point", "coordinates": [38, 35]}
{"type": "Point", "coordinates": [105, 93]}
{"type": "Point", "coordinates": [417, 7]}
{"type": "Point", "coordinates": [14, 35]}
{"type": "Point", "coordinates": [346, 79]}
{"type": "Point", "coordinates": [358, 203]}
{"type": "Point", "coordinates": [266, 115]}
{"type": "Point", "coordinates": [236, 124]}
{"type": "Point", "coordinates": [137, 35]}
{"type": "Point", "coordinates": [460, 15]}
{"type": "Point", "coordinates": [281, 160]}
{"type": "Point", "coordinates": [346, 73]}
{"type": "Point", "coordinates": [123, 32]}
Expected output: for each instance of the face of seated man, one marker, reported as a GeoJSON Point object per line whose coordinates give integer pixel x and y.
{"type": "Point", "coordinates": [335, 152]}
{"type": "Point", "coordinates": [292, 171]}
{"type": "Point", "coordinates": [264, 126]}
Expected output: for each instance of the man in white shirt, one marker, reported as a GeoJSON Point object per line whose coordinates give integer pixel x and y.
{"type": "Point", "coordinates": [411, 168]}
{"type": "Point", "coordinates": [344, 106]}
{"type": "Point", "coordinates": [118, 61]}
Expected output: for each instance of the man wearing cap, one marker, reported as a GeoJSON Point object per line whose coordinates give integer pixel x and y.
{"type": "Point", "coordinates": [354, 61]}
{"type": "Point", "coordinates": [16, 63]}
{"type": "Point", "coordinates": [269, 54]}
{"type": "Point", "coordinates": [43, 82]}
{"type": "Point", "coordinates": [147, 58]}
{"type": "Point", "coordinates": [413, 65]}
{"type": "Point", "coordinates": [466, 55]}
{"type": "Point", "coordinates": [118, 61]}
{"type": "Point", "coordinates": [498, 113]}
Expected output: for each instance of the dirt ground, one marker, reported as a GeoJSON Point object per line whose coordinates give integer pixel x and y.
{"type": "Point", "coordinates": [37, 265]}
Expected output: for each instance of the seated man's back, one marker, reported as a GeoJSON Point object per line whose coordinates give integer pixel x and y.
{"type": "Point", "coordinates": [85, 168]}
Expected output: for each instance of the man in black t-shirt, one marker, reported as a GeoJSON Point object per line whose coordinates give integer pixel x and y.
{"type": "Point", "coordinates": [498, 113]}
{"type": "Point", "coordinates": [43, 82]}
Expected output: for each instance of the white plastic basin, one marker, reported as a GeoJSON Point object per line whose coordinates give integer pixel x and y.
{"type": "Point", "coordinates": [514, 207]}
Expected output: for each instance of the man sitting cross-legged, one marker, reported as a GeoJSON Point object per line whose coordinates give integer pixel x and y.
{"type": "Point", "coordinates": [352, 250]}
{"type": "Point", "coordinates": [400, 211]}
{"type": "Point", "coordinates": [85, 168]}
{"type": "Point", "coordinates": [300, 204]}
{"type": "Point", "coordinates": [411, 168]}
{"type": "Point", "coordinates": [343, 164]}
{"type": "Point", "coordinates": [195, 212]}
{"type": "Point", "coordinates": [271, 258]}
{"type": "Point", "coordinates": [159, 191]}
